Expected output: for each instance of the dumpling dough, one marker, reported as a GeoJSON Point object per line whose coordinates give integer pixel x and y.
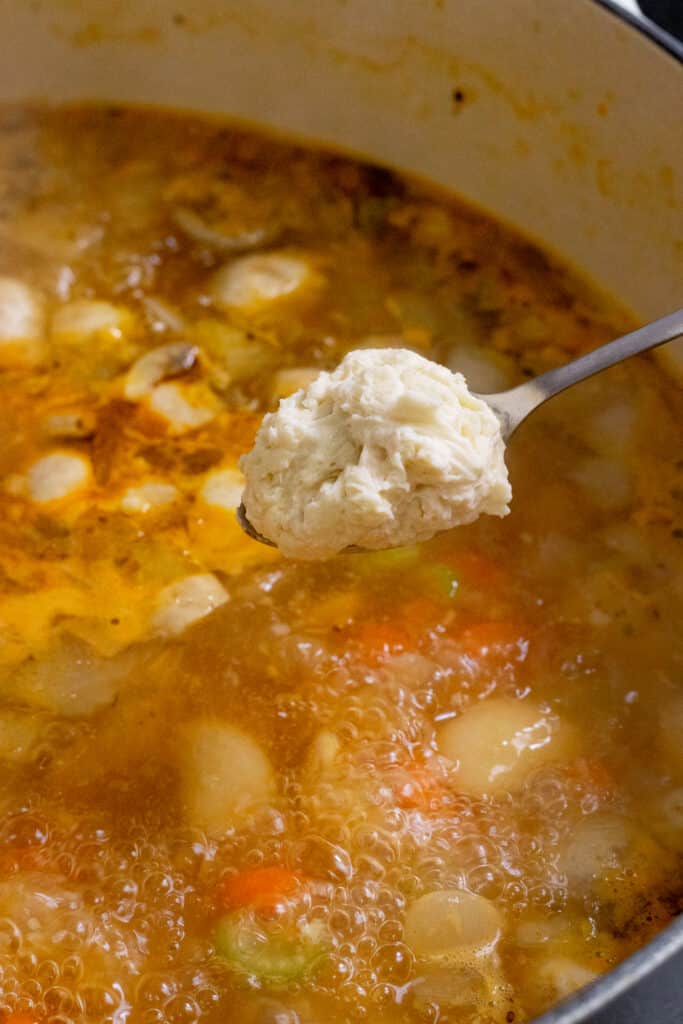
{"type": "Point", "coordinates": [388, 449]}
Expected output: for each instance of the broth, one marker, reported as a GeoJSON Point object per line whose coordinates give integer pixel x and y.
{"type": "Point", "coordinates": [435, 784]}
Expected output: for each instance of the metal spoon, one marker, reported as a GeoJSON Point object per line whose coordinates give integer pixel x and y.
{"type": "Point", "coordinates": [512, 407]}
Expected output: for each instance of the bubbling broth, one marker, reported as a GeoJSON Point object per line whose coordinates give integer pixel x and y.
{"type": "Point", "coordinates": [441, 783]}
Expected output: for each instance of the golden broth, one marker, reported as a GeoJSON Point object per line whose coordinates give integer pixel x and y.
{"type": "Point", "coordinates": [444, 783]}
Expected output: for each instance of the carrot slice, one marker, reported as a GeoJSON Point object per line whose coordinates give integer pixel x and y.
{"type": "Point", "coordinates": [262, 889]}
{"type": "Point", "coordinates": [494, 641]}
{"type": "Point", "coordinates": [378, 640]}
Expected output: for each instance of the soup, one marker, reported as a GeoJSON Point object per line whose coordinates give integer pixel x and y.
{"type": "Point", "coordinates": [441, 783]}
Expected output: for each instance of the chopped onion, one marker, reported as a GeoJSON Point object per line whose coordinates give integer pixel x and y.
{"type": "Point", "coordinates": [562, 975]}
{"type": "Point", "coordinates": [57, 475]}
{"type": "Point", "coordinates": [230, 354]}
{"type": "Point", "coordinates": [162, 313]}
{"type": "Point", "coordinates": [186, 601]}
{"type": "Point", "coordinates": [223, 489]}
{"type": "Point", "coordinates": [72, 681]}
{"type": "Point", "coordinates": [450, 923]}
{"type": "Point", "coordinates": [148, 496]}
{"type": "Point", "coordinates": [496, 743]}
{"type": "Point", "coordinates": [464, 988]}
{"type": "Point", "coordinates": [244, 241]}
{"type": "Point", "coordinates": [226, 776]}
{"type": "Point", "coordinates": [22, 321]}
{"type": "Point", "coordinates": [451, 986]}
{"type": "Point", "coordinates": [254, 280]}
{"type": "Point", "coordinates": [152, 367]}
{"type": "Point", "coordinates": [167, 400]}
{"type": "Point", "coordinates": [87, 318]}
{"type": "Point", "coordinates": [596, 845]}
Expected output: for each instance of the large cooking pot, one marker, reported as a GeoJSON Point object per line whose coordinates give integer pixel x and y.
{"type": "Point", "coordinates": [560, 116]}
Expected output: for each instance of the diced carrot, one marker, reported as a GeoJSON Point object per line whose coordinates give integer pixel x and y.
{"type": "Point", "coordinates": [420, 615]}
{"type": "Point", "coordinates": [478, 571]}
{"type": "Point", "coordinates": [378, 640]}
{"type": "Point", "coordinates": [415, 787]}
{"type": "Point", "coordinates": [494, 641]}
{"type": "Point", "coordinates": [262, 889]}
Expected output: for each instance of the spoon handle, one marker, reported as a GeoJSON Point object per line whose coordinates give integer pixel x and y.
{"type": "Point", "coordinates": [514, 405]}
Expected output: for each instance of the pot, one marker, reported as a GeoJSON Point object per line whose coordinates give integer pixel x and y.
{"type": "Point", "coordinates": [562, 118]}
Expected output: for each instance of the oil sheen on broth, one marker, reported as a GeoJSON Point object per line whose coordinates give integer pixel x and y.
{"type": "Point", "coordinates": [402, 786]}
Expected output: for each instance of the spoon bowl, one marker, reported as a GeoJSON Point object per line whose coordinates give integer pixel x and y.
{"type": "Point", "coordinates": [513, 406]}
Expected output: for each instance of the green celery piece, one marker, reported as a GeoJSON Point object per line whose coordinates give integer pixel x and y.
{"type": "Point", "coordinates": [391, 560]}
{"type": "Point", "coordinates": [276, 960]}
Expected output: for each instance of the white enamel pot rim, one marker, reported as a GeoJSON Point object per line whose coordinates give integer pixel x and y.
{"type": "Point", "coordinates": [570, 129]}
{"type": "Point", "coordinates": [554, 115]}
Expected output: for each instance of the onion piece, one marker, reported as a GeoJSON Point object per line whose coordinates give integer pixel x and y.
{"type": "Point", "coordinates": [196, 228]}
{"type": "Point", "coordinates": [226, 776]}
{"type": "Point", "coordinates": [223, 489]}
{"type": "Point", "coordinates": [168, 401]}
{"type": "Point", "coordinates": [149, 496]}
{"type": "Point", "coordinates": [161, 312]}
{"type": "Point", "coordinates": [598, 844]}
{"type": "Point", "coordinates": [22, 322]}
{"type": "Point", "coordinates": [562, 975]}
{"type": "Point", "coordinates": [450, 924]}
{"type": "Point", "coordinates": [229, 353]}
{"type": "Point", "coordinates": [463, 988]}
{"type": "Point", "coordinates": [156, 365]}
{"type": "Point", "coordinates": [186, 601]}
{"type": "Point", "coordinates": [496, 743]}
{"type": "Point", "coordinates": [251, 281]}
{"type": "Point", "coordinates": [73, 680]}
{"type": "Point", "coordinates": [58, 475]}
{"type": "Point", "coordinates": [85, 318]}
